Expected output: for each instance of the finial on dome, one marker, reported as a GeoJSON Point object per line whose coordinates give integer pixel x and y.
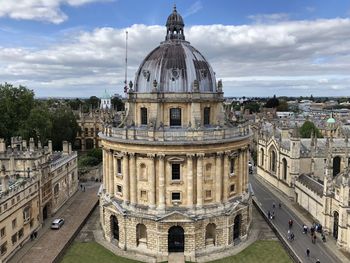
{"type": "Point", "coordinates": [175, 26]}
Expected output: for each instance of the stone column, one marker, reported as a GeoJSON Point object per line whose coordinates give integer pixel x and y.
{"type": "Point", "coordinates": [190, 180]}
{"type": "Point", "coordinates": [218, 177]}
{"type": "Point", "coordinates": [241, 169]}
{"type": "Point", "coordinates": [200, 180]}
{"type": "Point", "coordinates": [125, 174]}
{"type": "Point", "coordinates": [111, 173]}
{"type": "Point", "coordinates": [161, 177]}
{"type": "Point", "coordinates": [104, 166]}
{"type": "Point", "coordinates": [226, 175]}
{"type": "Point", "coordinates": [152, 181]}
{"type": "Point", "coordinates": [133, 179]}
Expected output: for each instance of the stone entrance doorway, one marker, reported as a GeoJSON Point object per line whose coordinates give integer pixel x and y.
{"type": "Point", "coordinates": [46, 211]}
{"type": "Point", "coordinates": [237, 227]}
{"type": "Point", "coordinates": [176, 239]}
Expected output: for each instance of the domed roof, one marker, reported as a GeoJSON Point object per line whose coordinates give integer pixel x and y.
{"type": "Point", "coordinates": [331, 120]}
{"type": "Point", "coordinates": [175, 65]}
{"type": "Point", "coordinates": [105, 95]}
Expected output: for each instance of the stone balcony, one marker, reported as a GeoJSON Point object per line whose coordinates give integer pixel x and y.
{"type": "Point", "coordinates": [174, 135]}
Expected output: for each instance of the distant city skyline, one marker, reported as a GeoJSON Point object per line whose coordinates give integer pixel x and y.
{"type": "Point", "coordinates": [75, 48]}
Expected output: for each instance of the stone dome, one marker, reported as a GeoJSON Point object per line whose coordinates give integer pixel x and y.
{"type": "Point", "coordinates": [331, 120]}
{"type": "Point", "coordinates": [175, 65]}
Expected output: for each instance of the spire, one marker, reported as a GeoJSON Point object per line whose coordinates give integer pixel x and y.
{"type": "Point", "coordinates": [175, 26]}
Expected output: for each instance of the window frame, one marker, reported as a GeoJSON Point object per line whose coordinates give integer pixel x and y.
{"type": "Point", "coordinates": [175, 122]}
{"type": "Point", "coordinates": [206, 116]}
{"type": "Point", "coordinates": [179, 171]}
{"type": "Point", "coordinates": [143, 116]}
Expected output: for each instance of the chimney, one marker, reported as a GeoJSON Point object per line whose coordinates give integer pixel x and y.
{"type": "Point", "coordinates": [65, 147]}
{"type": "Point", "coordinates": [4, 179]}
{"type": "Point", "coordinates": [31, 145]}
{"type": "Point", "coordinates": [69, 148]}
{"type": "Point", "coordinates": [2, 145]}
{"type": "Point", "coordinates": [50, 146]}
{"type": "Point", "coordinates": [24, 145]}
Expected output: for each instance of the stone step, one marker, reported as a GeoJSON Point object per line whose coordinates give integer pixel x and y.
{"type": "Point", "coordinates": [176, 258]}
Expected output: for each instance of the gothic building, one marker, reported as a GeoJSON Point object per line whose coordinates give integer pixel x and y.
{"type": "Point", "coordinates": [312, 171]}
{"type": "Point", "coordinates": [175, 169]}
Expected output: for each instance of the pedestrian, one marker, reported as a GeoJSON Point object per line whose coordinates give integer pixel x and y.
{"type": "Point", "coordinates": [308, 252]}
{"type": "Point", "coordinates": [290, 223]}
{"type": "Point", "coordinates": [84, 188]}
{"type": "Point", "coordinates": [273, 215]}
{"type": "Point", "coordinates": [323, 237]}
{"type": "Point", "coordinates": [318, 261]}
{"type": "Point", "coordinates": [292, 236]}
{"type": "Point", "coordinates": [81, 187]}
{"type": "Point", "coordinates": [314, 239]}
{"type": "Point", "coordinates": [279, 205]}
{"type": "Point", "coordinates": [269, 214]}
{"type": "Point", "coordinates": [273, 205]}
{"type": "Point", "coordinates": [304, 229]}
{"type": "Point", "coordinates": [288, 234]}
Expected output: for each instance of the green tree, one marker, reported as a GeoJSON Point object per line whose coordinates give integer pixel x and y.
{"type": "Point", "coordinates": [252, 107]}
{"type": "Point", "coordinates": [93, 101]}
{"type": "Point", "coordinates": [75, 104]}
{"type": "Point", "coordinates": [283, 106]}
{"type": "Point", "coordinates": [15, 104]}
{"type": "Point", "coordinates": [117, 103]}
{"type": "Point", "coordinates": [38, 124]}
{"type": "Point", "coordinates": [272, 103]}
{"type": "Point", "coordinates": [64, 127]}
{"type": "Point", "coordinates": [307, 129]}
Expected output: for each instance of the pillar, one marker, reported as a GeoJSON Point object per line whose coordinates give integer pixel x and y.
{"type": "Point", "coordinates": [190, 180]}
{"type": "Point", "coordinates": [200, 180]}
{"type": "Point", "coordinates": [152, 181]}
{"type": "Point", "coordinates": [161, 179]}
{"type": "Point", "coordinates": [226, 175]}
{"type": "Point", "coordinates": [125, 174]}
{"type": "Point", "coordinates": [218, 177]}
{"type": "Point", "coordinates": [133, 190]}
{"type": "Point", "coordinates": [104, 165]}
{"type": "Point", "coordinates": [111, 173]}
{"type": "Point", "coordinates": [241, 170]}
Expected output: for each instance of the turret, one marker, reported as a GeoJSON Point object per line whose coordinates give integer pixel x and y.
{"type": "Point", "coordinates": [2, 145]}
{"type": "Point", "coordinates": [31, 145]}
{"type": "Point", "coordinates": [50, 146]}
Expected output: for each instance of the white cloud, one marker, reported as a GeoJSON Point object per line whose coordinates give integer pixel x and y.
{"type": "Point", "coordinates": [40, 10]}
{"type": "Point", "coordinates": [269, 18]}
{"type": "Point", "coordinates": [287, 58]}
{"type": "Point", "coordinates": [194, 8]}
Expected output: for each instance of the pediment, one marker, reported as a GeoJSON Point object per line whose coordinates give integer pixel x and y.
{"type": "Point", "coordinates": [176, 217]}
{"type": "Point", "coordinates": [176, 160]}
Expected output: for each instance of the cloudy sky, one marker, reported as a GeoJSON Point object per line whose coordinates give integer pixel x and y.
{"type": "Point", "coordinates": [75, 48]}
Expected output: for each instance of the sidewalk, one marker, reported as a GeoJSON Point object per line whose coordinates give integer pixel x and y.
{"type": "Point", "coordinates": [306, 218]}
{"type": "Point", "coordinates": [50, 243]}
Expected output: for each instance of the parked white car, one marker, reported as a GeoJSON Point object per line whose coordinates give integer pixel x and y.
{"type": "Point", "coordinates": [57, 223]}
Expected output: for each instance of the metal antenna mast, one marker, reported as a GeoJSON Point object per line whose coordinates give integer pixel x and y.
{"type": "Point", "coordinates": [126, 63]}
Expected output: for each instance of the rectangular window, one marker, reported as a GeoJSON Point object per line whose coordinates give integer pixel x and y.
{"type": "Point", "coordinates": [208, 194]}
{"type": "Point", "coordinates": [14, 223]}
{"type": "Point", "coordinates": [175, 171]}
{"type": "Point", "coordinates": [119, 166]}
{"type": "Point", "coordinates": [20, 233]}
{"type": "Point", "coordinates": [3, 248]}
{"type": "Point", "coordinates": [176, 196]}
{"type": "Point", "coordinates": [175, 117]}
{"type": "Point", "coordinates": [206, 120]}
{"type": "Point", "coordinates": [12, 201]}
{"type": "Point", "coordinates": [143, 116]}
{"type": "Point", "coordinates": [31, 224]}
{"type": "Point", "coordinates": [232, 166]}
{"type": "Point", "coordinates": [143, 195]}
{"type": "Point", "coordinates": [3, 232]}
{"type": "Point", "coordinates": [232, 188]}
{"type": "Point", "coordinates": [14, 239]}
{"type": "Point", "coordinates": [5, 206]}
{"type": "Point", "coordinates": [119, 189]}
{"type": "Point", "coordinates": [26, 214]}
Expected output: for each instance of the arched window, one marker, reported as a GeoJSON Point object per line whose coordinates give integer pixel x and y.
{"type": "Point", "coordinates": [232, 165]}
{"type": "Point", "coordinates": [210, 234]}
{"type": "Point", "coordinates": [208, 171]}
{"type": "Point", "coordinates": [143, 172]}
{"type": "Point", "coordinates": [262, 157]}
{"type": "Point", "coordinates": [56, 189]}
{"type": "Point", "coordinates": [141, 235]}
{"type": "Point", "coordinates": [237, 226]}
{"type": "Point", "coordinates": [273, 161]}
{"type": "Point", "coordinates": [206, 117]}
{"type": "Point", "coordinates": [336, 165]}
{"type": "Point", "coordinates": [284, 169]}
{"type": "Point", "coordinates": [143, 116]}
{"type": "Point", "coordinates": [175, 117]}
{"type": "Point", "coordinates": [114, 227]}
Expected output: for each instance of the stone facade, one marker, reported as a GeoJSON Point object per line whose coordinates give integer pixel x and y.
{"type": "Point", "coordinates": [312, 171]}
{"type": "Point", "coordinates": [175, 169]}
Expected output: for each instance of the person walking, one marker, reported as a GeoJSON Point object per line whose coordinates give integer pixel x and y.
{"type": "Point", "coordinates": [273, 205]}
{"type": "Point", "coordinates": [308, 252]}
{"type": "Point", "coordinates": [269, 214]}
{"type": "Point", "coordinates": [279, 205]}
{"type": "Point", "coordinates": [318, 261]}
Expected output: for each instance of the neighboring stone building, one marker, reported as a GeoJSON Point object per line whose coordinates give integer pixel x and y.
{"type": "Point", "coordinates": [175, 169]}
{"type": "Point", "coordinates": [34, 177]}
{"type": "Point", "coordinates": [312, 171]}
{"type": "Point", "coordinates": [19, 211]}
{"type": "Point", "coordinates": [106, 103]}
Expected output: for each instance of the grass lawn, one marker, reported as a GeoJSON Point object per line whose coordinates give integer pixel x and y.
{"type": "Point", "coordinates": [262, 251]}
{"type": "Point", "coordinates": [92, 252]}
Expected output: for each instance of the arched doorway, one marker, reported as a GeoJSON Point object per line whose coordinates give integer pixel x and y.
{"type": "Point", "coordinates": [336, 165]}
{"type": "Point", "coordinates": [176, 239]}
{"type": "Point", "coordinates": [89, 144]}
{"type": "Point", "coordinates": [237, 226]}
{"type": "Point", "coordinates": [114, 227]}
{"type": "Point", "coordinates": [46, 211]}
{"type": "Point", "coordinates": [335, 224]}
{"type": "Point", "coordinates": [141, 235]}
{"type": "Point", "coordinates": [210, 234]}
{"type": "Point", "coordinates": [77, 144]}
